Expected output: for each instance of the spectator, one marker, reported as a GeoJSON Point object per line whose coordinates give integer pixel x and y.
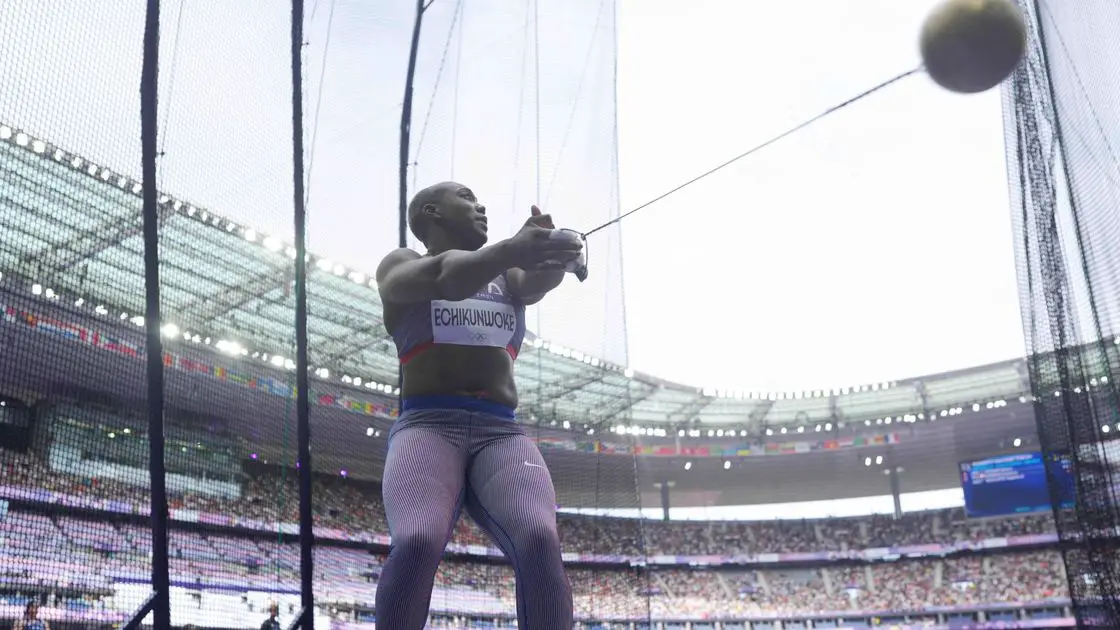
{"type": "Point", "coordinates": [272, 623]}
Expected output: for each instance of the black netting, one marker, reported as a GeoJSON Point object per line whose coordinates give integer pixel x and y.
{"type": "Point", "coordinates": [103, 155]}
{"type": "Point", "coordinates": [72, 370]}
{"type": "Point", "coordinates": [1061, 110]}
{"type": "Point", "coordinates": [228, 293]}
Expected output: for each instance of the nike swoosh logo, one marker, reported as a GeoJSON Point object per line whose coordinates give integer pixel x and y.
{"type": "Point", "coordinates": [533, 465]}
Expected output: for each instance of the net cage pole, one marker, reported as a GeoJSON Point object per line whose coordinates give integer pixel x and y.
{"type": "Point", "coordinates": [1065, 295]}
{"type": "Point", "coordinates": [406, 140]}
{"type": "Point", "coordinates": [406, 122]}
{"type": "Point", "coordinates": [305, 619]}
{"type": "Point", "coordinates": [159, 603]}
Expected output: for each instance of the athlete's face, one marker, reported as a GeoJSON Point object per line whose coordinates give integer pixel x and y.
{"type": "Point", "coordinates": [32, 611]}
{"type": "Point", "coordinates": [463, 217]}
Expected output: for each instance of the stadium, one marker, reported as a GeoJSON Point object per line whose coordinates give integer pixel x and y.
{"type": "Point", "coordinates": [169, 337]}
{"type": "Point", "coordinates": [75, 457]}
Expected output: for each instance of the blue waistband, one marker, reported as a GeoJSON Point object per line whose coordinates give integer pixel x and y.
{"type": "Point", "coordinates": [462, 403]}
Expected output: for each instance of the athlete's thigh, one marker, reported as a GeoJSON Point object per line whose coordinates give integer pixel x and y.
{"type": "Point", "coordinates": [424, 478]}
{"type": "Point", "coordinates": [510, 485]}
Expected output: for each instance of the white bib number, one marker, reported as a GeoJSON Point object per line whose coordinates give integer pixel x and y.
{"type": "Point", "coordinates": [473, 322]}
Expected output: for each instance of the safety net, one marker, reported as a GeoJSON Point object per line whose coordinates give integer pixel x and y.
{"type": "Point", "coordinates": [173, 357]}
{"type": "Point", "coordinates": [1061, 112]}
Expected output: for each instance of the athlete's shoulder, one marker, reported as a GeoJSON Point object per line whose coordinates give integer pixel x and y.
{"type": "Point", "coordinates": [396, 257]}
{"type": "Point", "coordinates": [401, 254]}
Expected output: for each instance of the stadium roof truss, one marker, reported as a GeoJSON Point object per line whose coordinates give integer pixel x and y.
{"type": "Point", "coordinates": [73, 229]}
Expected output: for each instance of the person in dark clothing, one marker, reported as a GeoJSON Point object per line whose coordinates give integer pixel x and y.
{"type": "Point", "coordinates": [31, 619]}
{"type": "Point", "coordinates": [272, 623]}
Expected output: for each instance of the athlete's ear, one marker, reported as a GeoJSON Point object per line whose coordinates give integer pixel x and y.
{"type": "Point", "coordinates": [431, 211]}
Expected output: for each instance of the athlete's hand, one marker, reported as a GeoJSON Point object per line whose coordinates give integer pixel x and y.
{"type": "Point", "coordinates": [534, 249]}
{"type": "Point", "coordinates": [544, 220]}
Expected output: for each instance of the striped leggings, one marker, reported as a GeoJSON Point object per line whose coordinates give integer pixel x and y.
{"type": "Point", "coordinates": [442, 459]}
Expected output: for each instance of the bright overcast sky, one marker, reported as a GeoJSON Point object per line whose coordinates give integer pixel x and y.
{"type": "Point", "coordinates": [874, 245]}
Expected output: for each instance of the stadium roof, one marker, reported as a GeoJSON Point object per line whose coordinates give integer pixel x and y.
{"type": "Point", "coordinates": [73, 228]}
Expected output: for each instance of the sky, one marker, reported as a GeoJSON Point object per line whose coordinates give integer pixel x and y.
{"type": "Point", "coordinates": [874, 245]}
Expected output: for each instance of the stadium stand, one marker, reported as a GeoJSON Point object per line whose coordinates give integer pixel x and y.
{"type": "Point", "coordinates": [99, 550]}
{"type": "Point", "coordinates": [73, 528]}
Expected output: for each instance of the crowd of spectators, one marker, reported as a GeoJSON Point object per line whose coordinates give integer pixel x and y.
{"type": "Point", "coordinates": [352, 505]}
{"type": "Point", "coordinates": [71, 551]}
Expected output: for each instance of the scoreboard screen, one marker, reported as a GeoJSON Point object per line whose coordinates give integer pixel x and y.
{"type": "Point", "coordinates": [1013, 484]}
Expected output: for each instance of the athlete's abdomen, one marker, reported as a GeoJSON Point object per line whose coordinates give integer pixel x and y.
{"type": "Point", "coordinates": [446, 369]}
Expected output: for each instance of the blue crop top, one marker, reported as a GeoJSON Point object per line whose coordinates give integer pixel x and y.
{"type": "Point", "coordinates": [491, 318]}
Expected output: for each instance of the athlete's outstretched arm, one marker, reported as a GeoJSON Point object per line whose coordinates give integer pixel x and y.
{"type": "Point", "coordinates": [531, 286]}
{"type": "Point", "coordinates": [405, 276]}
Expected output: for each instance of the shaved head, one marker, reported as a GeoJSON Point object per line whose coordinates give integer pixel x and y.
{"type": "Point", "coordinates": [446, 216]}
{"type": "Point", "coordinates": [418, 220]}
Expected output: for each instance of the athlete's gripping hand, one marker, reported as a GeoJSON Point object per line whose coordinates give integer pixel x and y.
{"type": "Point", "coordinates": [545, 220]}
{"type": "Point", "coordinates": [534, 249]}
